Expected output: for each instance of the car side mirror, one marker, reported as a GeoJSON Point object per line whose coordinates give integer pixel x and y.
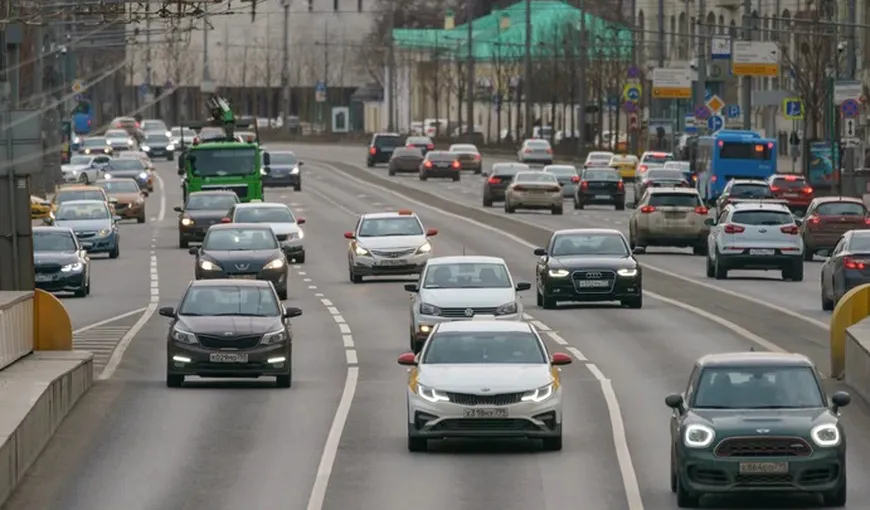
{"type": "Point", "coordinates": [116, 218]}
{"type": "Point", "coordinates": [145, 193]}
{"type": "Point", "coordinates": [412, 287]}
{"type": "Point", "coordinates": [300, 221]}
{"type": "Point", "coordinates": [431, 232]}
{"type": "Point", "coordinates": [267, 159]}
{"type": "Point", "coordinates": [167, 311]}
{"type": "Point", "coordinates": [348, 235]}
{"type": "Point", "coordinates": [521, 286]}
{"type": "Point", "coordinates": [301, 163]}
{"type": "Point", "coordinates": [559, 359]}
{"type": "Point", "coordinates": [710, 222]}
{"type": "Point", "coordinates": [674, 401]}
{"type": "Point", "coordinates": [178, 209]}
{"type": "Point", "coordinates": [48, 220]}
{"type": "Point", "coordinates": [540, 252]}
{"type": "Point", "coordinates": [840, 399]}
{"type": "Point", "coordinates": [637, 250]}
{"type": "Point", "coordinates": [291, 312]}
{"type": "Point", "coordinates": [408, 359]}
{"type": "Point", "coordinates": [193, 251]}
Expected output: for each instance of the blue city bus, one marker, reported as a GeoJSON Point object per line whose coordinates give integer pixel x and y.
{"type": "Point", "coordinates": [82, 118]}
{"type": "Point", "coordinates": [729, 155]}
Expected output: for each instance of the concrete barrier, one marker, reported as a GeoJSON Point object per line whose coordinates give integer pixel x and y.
{"type": "Point", "coordinates": [16, 326]}
{"type": "Point", "coordinates": [852, 308]}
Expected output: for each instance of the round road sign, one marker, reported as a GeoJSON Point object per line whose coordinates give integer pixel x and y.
{"type": "Point", "coordinates": [78, 86]}
{"type": "Point", "coordinates": [850, 108]}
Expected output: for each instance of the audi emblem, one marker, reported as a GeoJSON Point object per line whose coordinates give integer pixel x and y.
{"type": "Point", "coordinates": [242, 267]}
{"type": "Point", "coordinates": [469, 312]}
{"type": "Point", "coordinates": [228, 333]}
{"type": "Point", "coordinates": [594, 275]}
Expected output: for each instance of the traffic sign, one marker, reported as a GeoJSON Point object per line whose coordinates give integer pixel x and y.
{"type": "Point", "coordinates": [715, 104]}
{"type": "Point", "coordinates": [629, 106]}
{"type": "Point", "coordinates": [755, 58]}
{"type": "Point", "coordinates": [715, 123]}
{"type": "Point", "coordinates": [732, 111]}
{"type": "Point", "coordinates": [845, 90]}
{"type": "Point", "coordinates": [703, 112]}
{"type": "Point", "coordinates": [793, 107]}
{"type": "Point", "coordinates": [850, 128]}
{"type": "Point", "coordinates": [633, 72]}
{"type": "Point", "coordinates": [689, 124]}
{"type": "Point", "coordinates": [720, 48]}
{"type": "Point", "coordinates": [672, 83]}
{"type": "Point", "coordinates": [633, 123]}
{"type": "Point", "coordinates": [78, 86]}
{"type": "Point", "coordinates": [631, 92]}
{"type": "Point", "coordinates": [850, 108]}
{"type": "Point", "coordinates": [78, 98]}
{"type": "Point", "coordinates": [320, 91]}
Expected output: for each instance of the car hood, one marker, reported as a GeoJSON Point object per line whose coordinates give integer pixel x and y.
{"type": "Point", "coordinates": [254, 259]}
{"type": "Point", "coordinates": [54, 257]}
{"type": "Point", "coordinates": [84, 225]}
{"type": "Point", "coordinates": [496, 378]}
{"type": "Point", "coordinates": [728, 422]}
{"type": "Point", "coordinates": [73, 168]}
{"type": "Point", "coordinates": [281, 229]}
{"type": "Point", "coordinates": [157, 144]}
{"type": "Point", "coordinates": [468, 297]}
{"type": "Point", "coordinates": [133, 174]}
{"type": "Point", "coordinates": [125, 198]}
{"type": "Point", "coordinates": [391, 242]}
{"type": "Point", "coordinates": [206, 214]}
{"type": "Point", "coordinates": [591, 262]}
{"type": "Point", "coordinates": [222, 325]}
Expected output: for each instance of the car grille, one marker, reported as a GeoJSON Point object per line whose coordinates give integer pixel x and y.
{"type": "Point", "coordinates": [46, 268]}
{"type": "Point", "coordinates": [467, 399]}
{"type": "Point", "coordinates": [393, 254]}
{"type": "Point", "coordinates": [485, 424]}
{"type": "Point", "coordinates": [231, 342]}
{"type": "Point", "coordinates": [763, 447]}
{"type": "Point", "coordinates": [241, 190]}
{"type": "Point", "coordinates": [283, 237]}
{"type": "Point", "coordinates": [85, 235]}
{"type": "Point", "coordinates": [463, 312]}
{"type": "Point", "coordinates": [594, 274]}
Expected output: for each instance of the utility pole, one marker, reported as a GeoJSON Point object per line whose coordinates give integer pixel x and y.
{"type": "Point", "coordinates": [391, 73]}
{"type": "Point", "coordinates": [660, 18]}
{"type": "Point", "coordinates": [581, 87]}
{"type": "Point", "coordinates": [469, 130]}
{"type": "Point", "coordinates": [633, 133]}
{"type": "Point", "coordinates": [701, 83]}
{"type": "Point", "coordinates": [208, 85]}
{"type": "Point", "coordinates": [527, 74]}
{"type": "Point", "coordinates": [325, 106]}
{"type": "Point", "coordinates": [285, 67]}
{"type": "Point", "coordinates": [746, 89]}
{"type": "Point", "coordinates": [149, 95]}
{"type": "Point", "coordinates": [851, 42]}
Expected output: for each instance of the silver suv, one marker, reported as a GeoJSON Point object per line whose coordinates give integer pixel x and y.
{"type": "Point", "coordinates": [755, 236]}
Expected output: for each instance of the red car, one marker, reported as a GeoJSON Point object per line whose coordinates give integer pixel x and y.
{"type": "Point", "coordinates": [794, 189]}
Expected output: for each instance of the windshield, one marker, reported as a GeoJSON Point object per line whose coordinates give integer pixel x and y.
{"type": "Point", "coordinates": [484, 347]}
{"type": "Point", "coordinates": [388, 141]}
{"type": "Point", "coordinates": [126, 164]}
{"type": "Point", "coordinates": [682, 166]}
{"type": "Point", "coordinates": [789, 183]}
{"type": "Point", "coordinates": [841, 209]}
{"type": "Point", "coordinates": [156, 137]}
{"type": "Point", "coordinates": [238, 239]}
{"type": "Point", "coordinates": [535, 177]}
{"type": "Point", "coordinates": [464, 148]}
{"type": "Point", "coordinates": [623, 160]}
{"type": "Point", "coordinates": [466, 275]}
{"type": "Point", "coordinates": [149, 125]}
{"type": "Point", "coordinates": [758, 388]}
{"type": "Point", "coordinates": [223, 162]}
{"type": "Point", "coordinates": [538, 144]}
{"type": "Point", "coordinates": [750, 191]}
{"type": "Point", "coordinates": [283, 158]}
{"type": "Point", "coordinates": [659, 159]}
{"type": "Point", "coordinates": [381, 227]}
{"type": "Point", "coordinates": [80, 160]}
{"type": "Point", "coordinates": [73, 212]}
{"type": "Point", "coordinates": [418, 140]}
{"type": "Point", "coordinates": [94, 142]}
{"type": "Point", "coordinates": [589, 244]}
{"type": "Point", "coordinates": [600, 158]}
{"type": "Point", "coordinates": [600, 175]}
{"type": "Point", "coordinates": [264, 215]}
{"type": "Point", "coordinates": [441, 156]}
{"type": "Point", "coordinates": [407, 153]}
{"type": "Point", "coordinates": [664, 175]}
{"type": "Point", "coordinates": [119, 186]}
{"type": "Point", "coordinates": [674, 200]}
{"type": "Point", "coordinates": [561, 171]}
{"type": "Point", "coordinates": [117, 134]}
{"type": "Point", "coordinates": [210, 202]}
{"type": "Point", "coordinates": [741, 150]}
{"type": "Point", "coordinates": [762, 218]}
{"type": "Point", "coordinates": [860, 243]}
{"type": "Point", "coordinates": [53, 241]}
{"type": "Point", "coordinates": [79, 194]}
{"type": "Point", "coordinates": [230, 300]}
{"type": "Point", "coordinates": [188, 133]}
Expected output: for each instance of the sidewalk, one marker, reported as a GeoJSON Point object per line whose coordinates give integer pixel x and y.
{"type": "Point", "coordinates": [786, 165]}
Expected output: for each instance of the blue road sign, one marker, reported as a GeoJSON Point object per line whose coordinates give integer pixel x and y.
{"type": "Point", "coordinates": [78, 98]}
{"type": "Point", "coordinates": [732, 111]}
{"type": "Point", "coordinates": [850, 108]}
{"type": "Point", "coordinates": [689, 124]}
{"type": "Point", "coordinates": [320, 86]}
{"type": "Point", "coordinates": [633, 72]}
{"type": "Point", "coordinates": [794, 108]}
{"type": "Point", "coordinates": [143, 89]}
{"type": "Point", "coordinates": [633, 94]}
{"type": "Point", "coordinates": [715, 123]}
{"type": "Point", "coordinates": [707, 94]}
{"type": "Point", "coordinates": [702, 112]}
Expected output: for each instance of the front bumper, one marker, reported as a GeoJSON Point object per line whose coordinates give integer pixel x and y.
{"type": "Point", "coordinates": [60, 281]}
{"type": "Point", "coordinates": [278, 277]}
{"type": "Point", "coordinates": [293, 247]}
{"type": "Point", "coordinates": [448, 420]}
{"type": "Point", "coordinates": [745, 261]}
{"type": "Point", "coordinates": [281, 179]}
{"type": "Point", "coordinates": [100, 244]}
{"type": "Point", "coordinates": [184, 359]}
{"type": "Point", "coordinates": [160, 152]}
{"type": "Point", "coordinates": [447, 173]}
{"type": "Point", "coordinates": [423, 324]}
{"type": "Point", "coordinates": [367, 265]}
{"type": "Point", "coordinates": [564, 289]}
{"type": "Point", "coordinates": [193, 234]}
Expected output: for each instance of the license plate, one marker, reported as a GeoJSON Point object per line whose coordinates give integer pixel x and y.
{"type": "Point", "coordinates": [791, 195]}
{"type": "Point", "coordinates": [763, 468]}
{"type": "Point", "coordinates": [486, 413]}
{"type": "Point", "coordinates": [243, 276]}
{"type": "Point", "coordinates": [226, 357]}
{"type": "Point", "coordinates": [761, 252]}
{"type": "Point", "coordinates": [43, 278]}
{"type": "Point", "coordinates": [393, 262]}
{"type": "Point", "coordinates": [592, 283]}
{"type": "Point", "coordinates": [602, 197]}
{"type": "Point", "coordinates": [675, 215]}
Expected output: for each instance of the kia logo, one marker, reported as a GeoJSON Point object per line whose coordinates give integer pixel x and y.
{"type": "Point", "coordinates": [242, 267]}
{"type": "Point", "coordinates": [594, 275]}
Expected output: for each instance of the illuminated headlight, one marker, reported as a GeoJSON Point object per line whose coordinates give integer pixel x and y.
{"type": "Point", "coordinates": [425, 248]}
{"type": "Point", "coordinates": [427, 309]}
{"type": "Point", "coordinates": [360, 251]}
{"type": "Point", "coordinates": [263, 171]}
{"type": "Point", "coordinates": [87, 151]}
{"type": "Point", "coordinates": [275, 264]}
{"type": "Point", "coordinates": [507, 309]}
{"type": "Point", "coordinates": [104, 232]}
{"type": "Point", "coordinates": [143, 175]}
{"type": "Point", "coordinates": [826, 435]}
{"type": "Point", "coordinates": [77, 139]}
{"type": "Point", "coordinates": [107, 176]}
{"type": "Point", "coordinates": [186, 222]}
{"type": "Point", "coordinates": [146, 148]}
{"type": "Point", "coordinates": [431, 394]}
{"type": "Point", "coordinates": [558, 273]}
{"type": "Point", "coordinates": [300, 234]}
{"type": "Point", "coordinates": [168, 134]}
{"type": "Point", "coordinates": [73, 268]}
{"type": "Point", "coordinates": [539, 395]}
{"type": "Point", "coordinates": [207, 265]}
{"type": "Point", "coordinates": [295, 170]}
{"type": "Point", "coordinates": [170, 147]}
{"type": "Point", "coordinates": [184, 337]}
{"type": "Point", "coordinates": [139, 201]}
{"type": "Point", "coordinates": [698, 436]}
{"type": "Point", "coordinates": [129, 142]}
{"type": "Point", "coordinates": [627, 272]}
{"type": "Point", "coordinates": [274, 337]}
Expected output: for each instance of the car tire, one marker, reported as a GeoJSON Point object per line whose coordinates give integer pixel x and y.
{"type": "Point", "coordinates": [417, 444]}
{"type": "Point", "coordinates": [174, 380]}
{"type": "Point", "coordinates": [116, 252]}
{"type": "Point", "coordinates": [634, 302]}
{"type": "Point", "coordinates": [354, 278]}
{"type": "Point", "coordinates": [170, 157]}
{"type": "Point", "coordinates": [837, 498]}
{"type": "Point", "coordinates": [794, 273]}
{"type": "Point", "coordinates": [457, 177]}
{"type": "Point", "coordinates": [299, 259]}
{"type": "Point", "coordinates": [548, 303]}
{"type": "Point", "coordinates": [284, 381]}
{"type": "Point", "coordinates": [827, 304]}
{"type": "Point", "coordinates": [423, 177]}
{"type": "Point", "coordinates": [487, 202]}
{"type": "Point", "coordinates": [809, 254]}
{"type": "Point", "coordinates": [391, 172]}
{"type": "Point", "coordinates": [370, 163]}
{"type": "Point", "coordinates": [558, 210]}
{"type": "Point", "coordinates": [720, 272]}
{"type": "Point", "coordinates": [478, 171]}
{"type": "Point", "coordinates": [282, 294]}
{"type": "Point", "coordinates": [539, 299]}
{"type": "Point", "coordinates": [140, 219]}
{"type": "Point", "coordinates": [183, 244]}
{"type": "Point", "coordinates": [686, 499]}
{"type": "Point", "coordinates": [88, 287]}
{"type": "Point", "coordinates": [581, 205]}
{"type": "Point", "coordinates": [508, 208]}
{"type": "Point", "coordinates": [711, 271]}
{"type": "Point", "coordinates": [620, 206]}
{"type": "Point", "coordinates": [552, 444]}
{"type": "Point", "coordinates": [576, 204]}
{"type": "Point", "coordinates": [700, 249]}
{"type": "Point", "coordinates": [82, 292]}
{"type": "Point", "coordinates": [298, 186]}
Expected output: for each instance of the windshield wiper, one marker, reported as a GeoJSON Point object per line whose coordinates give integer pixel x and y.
{"type": "Point", "coordinates": [776, 407]}
{"type": "Point", "coordinates": [239, 315]}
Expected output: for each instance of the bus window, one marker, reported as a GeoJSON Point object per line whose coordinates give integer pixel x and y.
{"type": "Point", "coordinates": [741, 150]}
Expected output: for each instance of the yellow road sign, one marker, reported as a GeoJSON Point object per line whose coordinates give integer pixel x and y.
{"type": "Point", "coordinates": [763, 70]}
{"type": "Point", "coordinates": [78, 87]}
{"type": "Point", "coordinates": [671, 93]}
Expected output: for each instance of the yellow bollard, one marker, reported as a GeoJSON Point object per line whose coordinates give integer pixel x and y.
{"type": "Point", "coordinates": [852, 308]}
{"type": "Point", "coordinates": [52, 329]}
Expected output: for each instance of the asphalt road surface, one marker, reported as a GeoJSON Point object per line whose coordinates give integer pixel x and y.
{"type": "Point", "coordinates": [336, 440]}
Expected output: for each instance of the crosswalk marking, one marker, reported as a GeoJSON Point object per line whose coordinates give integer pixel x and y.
{"type": "Point", "coordinates": [101, 341]}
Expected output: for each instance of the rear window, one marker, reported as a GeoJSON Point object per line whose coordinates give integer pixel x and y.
{"type": "Point", "coordinates": [600, 175]}
{"type": "Point", "coordinates": [418, 140]}
{"type": "Point", "coordinates": [741, 150]}
{"type": "Point", "coordinates": [760, 217]}
{"type": "Point", "coordinates": [657, 158]}
{"type": "Point", "coordinates": [750, 191]}
{"type": "Point", "coordinates": [505, 171]}
{"type": "Point", "coordinates": [789, 182]}
{"type": "Point", "coordinates": [674, 200]}
{"type": "Point", "coordinates": [536, 177]}
{"type": "Point", "coordinates": [538, 144]}
{"type": "Point", "coordinates": [841, 209]}
{"type": "Point", "coordinates": [858, 244]}
{"type": "Point", "coordinates": [561, 171]}
{"type": "Point", "coordinates": [665, 175]}
{"type": "Point", "coordinates": [405, 153]}
{"type": "Point", "coordinates": [441, 156]}
{"type": "Point", "coordinates": [387, 141]}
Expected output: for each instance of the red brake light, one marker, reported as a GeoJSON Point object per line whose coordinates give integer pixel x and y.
{"type": "Point", "coordinates": [853, 264]}
{"type": "Point", "coordinates": [643, 168]}
{"type": "Point", "coordinates": [428, 164]}
{"type": "Point", "coordinates": [493, 180]}
{"type": "Point", "coordinates": [576, 178]}
{"type": "Point", "coordinates": [702, 210]}
{"type": "Point", "coordinates": [775, 188]}
{"type": "Point", "coordinates": [647, 209]}
{"type": "Point", "coordinates": [372, 151]}
{"type": "Point", "coordinates": [733, 229]}
{"type": "Point", "coordinates": [477, 157]}
{"type": "Point", "coordinates": [527, 151]}
{"type": "Point", "coordinates": [713, 179]}
{"type": "Point", "coordinates": [89, 122]}
{"type": "Point", "coordinates": [790, 229]}
{"type": "Point", "coordinates": [814, 220]}
{"type": "Point", "coordinates": [549, 151]}
{"type": "Point", "coordinates": [807, 190]}
{"type": "Point", "coordinates": [118, 125]}
{"type": "Point", "coordinates": [721, 143]}
{"type": "Point", "coordinates": [867, 221]}
{"type": "Point", "coordinates": [584, 185]}
{"type": "Point", "coordinates": [620, 185]}
{"type": "Point", "coordinates": [430, 147]}
{"type": "Point", "coordinates": [456, 164]}
{"type": "Point", "coordinates": [790, 177]}
{"type": "Point", "coordinates": [770, 145]}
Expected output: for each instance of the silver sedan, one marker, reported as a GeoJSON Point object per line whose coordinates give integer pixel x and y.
{"type": "Point", "coordinates": [533, 190]}
{"type": "Point", "coordinates": [535, 151]}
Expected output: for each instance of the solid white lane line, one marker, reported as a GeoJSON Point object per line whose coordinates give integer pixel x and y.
{"type": "Point", "coordinates": [556, 338]}
{"type": "Point", "coordinates": [350, 354]}
{"type": "Point", "coordinates": [347, 340]}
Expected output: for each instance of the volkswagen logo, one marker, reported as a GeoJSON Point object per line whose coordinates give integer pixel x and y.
{"type": "Point", "coordinates": [242, 267]}
{"type": "Point", "coordinates": [485, 390]}
{"type": "Point", "coordinates": [594, 275]}
{"type": "Point", "coordinates": [763, 431]}
{"type": "Point", "coordinates": [228, 333]}
{"type": "Point", "coordinates": [763, 230]}
{"type": "Point", "coordinates": [469, 312]}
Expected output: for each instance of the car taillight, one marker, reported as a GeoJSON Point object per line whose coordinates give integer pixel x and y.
{"type": "Point", "coordinates": [713, 179]}
{"type": "Point", "coordinates": [807, 190]}
{"type": "Point", "coordinates": [643, 168]}
{"type": "Point", "coordinates": [647, 209]}
{"type": "Point", "coordinates": [849, 263]}
{"type": "Point", "coordinates": [118, 125]}
{"type": "Point", "coordinates": [409, 146]}
{"type": "Point", "coordinates": [702, 210]}
{"type": "Point", "coordinates": [89, 122]}
{"type": "Point", "coordinates": [428, 164]}
{"type": "Point", "coordinates": [494, 180]}
{"type": "Point", "coordinates": [477, 157]}
{"type": "Point", "coordinates": [456, 164]}
{"type": "Point", "coordinates": [867, 221]}
{"type": "Point", "coordinates": [733, 229]}
{"type": "Point", "coordinates": [549, 151]}
{"type": "Point", "coordinates": [790, 229]}
{"type": "Point", "coordinates": [814, 220]}
{"type": "Point", "coordinates": [775, 189]}
{"type": "Point", "coordinates": [430, 147]}
{"type": "Point", "coordinates": [373, 151]}
{"type": "Point", "coordinates": [527, 151]}
{"type": "Point", "coordinates": [584, 185]}
{"type": "Point", "coordinates": [620, 186]}
{"type": "Point", "coordinates": [519, 188]}
{"type": "Point", "coordinates": [576, 178]}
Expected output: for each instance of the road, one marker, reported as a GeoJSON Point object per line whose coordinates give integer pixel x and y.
{"type": "Point", "coordinates": [134, 444]}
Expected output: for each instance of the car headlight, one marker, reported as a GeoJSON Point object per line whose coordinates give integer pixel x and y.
{"type": "Point", "coordinates": [627, 272]}
{"type": "Point", "coordinates": [186, 222]}
{"type": "Point", "coordinates": [107, 176]}
{"type": "Point", "coordinates": [431, 394]}
{"type": "Point", "coordinates": [145, 148]}
{"type": "Point", "coordinates": [140, 201]}
{"type": "Point", "coordinates": [275, 264]}
{"type": "Point", "coordinates": [72, 268]}
{"type": "Point", "coordinates": [143, 175]}
{"type": "Point", "coordinates": [360, 251]}
{"type": "Point", "coordinates": [104, 232]}
{"type": "Point", "coordinates": [427, 309]}
{"type": "Point", "coordinates": [425, 247]}
{"type": "Point", "coordinates": [826, 436]}
{"type": "Point", "coordinates": [170, 147]}
{"type": "Point", "coordinates": [295, 170]}
{"type": "Point", "coordinates": [275, 337]}
{"type": "Point", "coordinates": [87, 151]}
{"type": "Point", "coordinates": [263, 171]}
{"type": "Point", "coordinates": [76, 140]}
{"type": "Point", "coordinates": [539, 395]}
{"type": "Point", "coordinates": [184, 337]}
{"type": "Point", "coordinates": [507, 309]}
{"type": "Point", "coordinates": [207, 265]}
{"type": "Point", "coordinates": [129, 142]}
{"type": "Point", "coordinates": [300, 234]}
{"type": "Point", "coordinates": [558, 273]}
{"type": "Point", "coordinates": [698, 436]}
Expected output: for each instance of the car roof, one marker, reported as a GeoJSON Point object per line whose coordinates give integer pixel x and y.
{"type": "Point", "coordinates": [673, 189]}
{"type": "Point", "coordinates": [387, 134]}
{"type": "Point", "coordinates": [470, 259]}
{"type": "Point", "coordinates": [65, 230]}
{"type": "Point", "coordinates": [754, 358]}
{"type": "Point", "coordinates": [78, 187]}
{"type": "Point", "coordinates": [483, 326]}
{"type": "Point", "coordinates": [222, 282]}
{"type": "Point", "coordinates": [749, 181]}
{"type": "Point", "coordinates": [84, 202]}
{"type": "Point", "coordinates": [601, 153]}
{"type": "Point", "coordinates": [117, 179]}
{"type": "Point", "coordinates": [387, 214]}
{"type": "Point", "coordinates": [254, 205]}
{"type": "Point", "coordinates": [211, 192]}
{"type": "Point", "coordinates": [587, 231]}
{"type": "Point", "coordinates": [839, 199]}
{"type": "Point", "coordinates": [237, 226]}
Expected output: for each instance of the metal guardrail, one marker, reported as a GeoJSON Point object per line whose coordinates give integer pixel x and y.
{"type": "Point", "coordinates": [16, 326]}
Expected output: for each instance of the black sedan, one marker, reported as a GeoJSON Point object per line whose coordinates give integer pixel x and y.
{"type": "Point", "coordinates": [202, 210]}
{"type": "Point", "coordinates": [129, 168]}
{"type": "Point", "coordinates": [588, 265]}
{"type": "Point", "coordinates": [846, 268]}
{"type": "Point", "coordinates": [229, 328]}
{"type": "Point", "coordinates": [440, 164]}
{"type": "Point", "coordinates": [158, 145]}
{"type": "Point", "coordinates": [59, 261]}
{"type": "Point", "coordinates": [282, 168]}
{"type": "Point", "coordinates": [245, 251]}
{"type": "Point", "coordinates": [500, 177]}
{"type": "Point", "coordinates": [405, 159]}
{"type": "Point", "coordinates": [599, 186]}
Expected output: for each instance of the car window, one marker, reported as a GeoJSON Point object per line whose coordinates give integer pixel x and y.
{"type": "Point", "coordinates": [841, 209]}
{"type": "Point", "coordinates": [387, 141]}
{"type": "Point", "coordinates": [788, 183]}
{"type": "Point", "coordinates": [466, 275]}
{"type": "Point", "coordinates": [210, 202]}
{"type": "Point", "coordinates": [79, 194]}
{"type": "Point", "coordinates": [600, 175]}
{"type": "Point", "coordinates": [660, 159]}
{"type": "Point", "coordinates": [750, 191]}
{"type": "Point", "coordinates": [53, 241]}
{"type": "Point", "coordinates": [264, 215]}
{"type": "Point", "coordinates": [463, 148]}
{"type": "Point", "coordinates": [758, 388]}
{"type": "Point", "coordinates": [664, 175]}
{"type": "Point", "coordinates": [441, 156]}
{"type": "Point", "coordinates": [762, 217]}
{"type": "Point", "coordinates": [538, 144]}
{"type": "Point", "coordinates": [674, 200]}
{"type": "Point", "coordinates": [507, 170]}
{"type": "Point", "coordinates": [391, 226]}
{"type": "Point", "coordinates": [682, 166]}
{"type": "Point", "coordinates": [94, 142]}
{"type": "Point", "coordinates": [119, 186]}
{"type": "Point", "coordinates": [229, 300]}
{"type": "Point", "coordinates": [859, 244]}
{"type": "Point", "coordinates": [561, 171]}
{"type": "Point", "coordinates": [589, 244]}
{"type": "Point", "coordinates": [81, 212]}
{"type": "Point", "coordinates": [282, 158]}
{"type": "Point", "coordinates": [418, 140]}
{"type": "Point", "coordinates": [126, 164]}
{"type": "Point", "coordinates": [604, 159]}
{"type": "Point", "coordinates": [407, 152]}
{"type": "Point", "coordinates": [156, 137]}
{"type": "Point", "coordinates": [542, 177]}
{"type": "Point", "coordinates": [81, 160]}
{"type": "Point", "coordinates": [484, 347]}
{"type": "Point", "coordinates": [240, 239]}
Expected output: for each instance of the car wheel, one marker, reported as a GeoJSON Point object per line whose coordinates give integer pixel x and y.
{"type": "Point", "coordinates": [558, 210]}
{"type": "Point", "coordinates": [837, 498]}
{"type": "Point", "coordinates": [487, 202]}
{"type": "Point", "coordinates": [719, 269]}
{"type": "Point", "coordinates": [354, 278]}
{"type": "Point", "coordinates": [170, 157]}
{"type": "Point", "coordinates": [423, 177]}
{"type": "Point", "coordinates": [82, 292]}
{"type": "Point", "coordinates": [417, 444]}
{"type": "Point", "coordinates": [370, 163]}
{"type": "Point", "coordinates": [700, 249]}
{"type": "Point", "coordinates": [827, 304]}
{"type": "Point", "coordinates": [581, 205]}
{"type": "Point", "coordinates": [116, 252]}
{"type": "Point", "coordinates": [88, 287]}
{"type": "Point", "coordinates": [686, 499]}
{"type": "Point", "coordinates": [635, 302]}
{"type": "Point", "coordinates": [673, 474]}
{"type": "Point", "coordinates": [282, 294]}
{"type": "Point", "coordinates": [299, 259]}
{"type": "Point", "coordinates": [808, 254]}
{"type": "Point", "coordinates": [182, 243]}
{"type": "Point", "coordinates": [711, 272]}
{"type": "Point", "coordinates": [174, 380]}
{"type": "Point", "coordinates": [140, 219]}
{"type": "Point", "coordinates": [620, 206]}
{"type": "Point", "coordinates": [552, 444]}
{"type": "Point", "coordinates": [284, 381]}
{"type": "Point", "coordinates": [456, 177]}
{"type": "Point", "coordinates": [298, 186]}
{"type": "Point", "coordinates": [549, 303]}
{"type": "Point", "coordinates": [83, 179]}
{"type": "Point", "coordinates": [576, 204]}
{"type": "Point", "coordinates": [539, 298]}
{"type": "Point", "coordinates": [391, 172]}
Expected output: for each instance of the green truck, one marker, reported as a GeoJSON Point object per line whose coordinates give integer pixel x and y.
{"type": "Point", "coordinates": [221, 162]}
